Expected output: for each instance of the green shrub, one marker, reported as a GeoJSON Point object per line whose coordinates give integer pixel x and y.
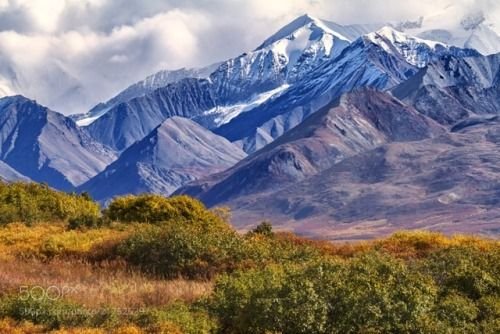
{"type": "Point", "coordinates": [458, 312]}
{"type": "Point", "coordinates": [188, 319]}
{"type": "Point", "coordinates": [372, 293]}
{"type": "Point", "coordinates": [278, 299]}
{"type": "Point", "coordinates": [204, 245]}
{"type": "Point", "coordinates": [189, 250]}
{"type": "Point", "coordinates": [465, 270]}
{"type": "Point", "coordinates": [51, 313]}
{"type": "Point", "coordinates": [31, 203]}
{"type": "Point", "coordinates": [87, 221]}
{"type": "Point", "coordinates": [155, 209]}
{"type": "Point", "coordinates": [381, 294]}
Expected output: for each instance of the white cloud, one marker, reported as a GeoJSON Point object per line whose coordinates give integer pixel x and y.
{"type": "Point", "coordinates": [96, 64]}
{"type": "Point", "coordinates": [98, 47]}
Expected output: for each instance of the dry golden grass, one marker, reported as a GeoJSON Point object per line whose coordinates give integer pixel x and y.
{"type": "Point", "coordinates": [347, 249]}
{"type": "Point", "coordinates": [50, 256]}
{"type": "Point", "coordinates": [9, 326]}
{"type": "Point", "coordinates": [417, 244]}
{"type": "Point", "coordinates": [78, 265]}
{"type": "Point", "coordinates": [95, 286]}
{"type": "Point", "coordinates": [45, 241]}
{"type": "Point", "coordinates": [120, 330]}
{"type": "Point", "coordinates": [404, 244]}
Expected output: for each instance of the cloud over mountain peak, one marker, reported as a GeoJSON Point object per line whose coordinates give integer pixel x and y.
{"type": "Point", "coordinates": [84, 46]}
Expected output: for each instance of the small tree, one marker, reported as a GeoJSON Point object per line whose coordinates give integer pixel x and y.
{"type": "Point", "coordinates": [265, 228]}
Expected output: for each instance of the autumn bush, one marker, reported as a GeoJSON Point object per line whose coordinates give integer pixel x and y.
{"type": "Point", "coordinates": [149, 208]}
{"type": "Point", "coordinates": [178, 267]}
{"type": "Point", "coordinates": [453, 289]}
{"type": "Point", "coordinates": [32, 203]}
{"type": "Point", "coordinates": [198, 249]}
{"type": "Point", "coordinates": [419, 244]}
{"type": "Point", "coordinates": [371, 293]}
{"type": "Point", "coordinates": [46, 241]}
{"type": "Point", "coordinates": [206, 245]}
{"type": "Point", "coordinates": [177, 318]}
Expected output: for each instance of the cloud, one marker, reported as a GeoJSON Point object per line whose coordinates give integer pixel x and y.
{"type": "Point", "coordinates": [71, 54]}
{"type": "Point", "coordinates": [93, 65]}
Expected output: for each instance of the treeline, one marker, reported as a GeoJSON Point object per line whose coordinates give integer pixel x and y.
{"type": "Point", "coordinates": [263, 281]}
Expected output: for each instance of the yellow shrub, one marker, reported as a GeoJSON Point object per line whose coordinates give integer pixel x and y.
{"type": "Point", "coordinates": [166, 328]}
{"type": "Point", "coordinates": [9, 326]}
{"type": "Point", "coordinates": [410, 244]}
{"type": "Point", "coordinates": [128, 330]}
{"type": "Point", "coordinates": [79, 331]}
{"type": "Point", "coordinates": [149, 208]}
{"type": "Point", "coordinates": [54, 240]}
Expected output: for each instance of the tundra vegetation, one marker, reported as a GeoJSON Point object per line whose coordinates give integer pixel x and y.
{"type": "Point", "coordinates": [149, 264]}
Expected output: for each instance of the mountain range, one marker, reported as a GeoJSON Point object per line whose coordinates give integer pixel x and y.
{"type": "Point", "coordinates": [345, 131]}
{"type": "Point", "coordinates": [176, 152]}
{"type": "Point", "coordinates": [46, 146]}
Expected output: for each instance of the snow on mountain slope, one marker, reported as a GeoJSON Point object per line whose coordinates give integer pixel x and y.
{"type": "Point", "coordinates": [220, 115]}
{"type": "Point", "coordinates": [358, 122]}
{"type": "Point", "coordinates": [298, 27]}
{"type": "Point", "coordinates": [451, 89]}
{"type": "Point", "coordinates": [176, 152]}
{"type": "Point", "coordinates": [380, 60]}
{"type": "Point", "coordinates": [475, 30]}
{"type": "Point", "coordinates": [415, 50]}
{"type": "Point", "coordinates": [362, 64]}
{"type": "Point", "coordinates": [353, 31]}
{"type": "Point", "coordinates": [47, 146]}
{"type": "Point", "coordinates": [9, 174]}
{"type": "Point", "coordinates": [285, 57]}
{"type": "Point", "coordinates": [235, 87]}
{"type": "Point", "coordinates": [141, 88]}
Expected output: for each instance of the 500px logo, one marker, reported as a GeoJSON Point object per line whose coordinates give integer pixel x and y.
{"type": "Point", "coordinates": [39, 293]}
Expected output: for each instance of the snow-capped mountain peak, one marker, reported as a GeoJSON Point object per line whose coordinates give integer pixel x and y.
{"type": "Point", "coordinates": [304, 22]}
{"type": "Point", "coordinates": [301, 45]}
{"type": "Point", "coordinates": [397, 37]}
{"type": "Point", "coordinates": [415, 50]}
{"type": "Point", "coordinates": [283, 58]}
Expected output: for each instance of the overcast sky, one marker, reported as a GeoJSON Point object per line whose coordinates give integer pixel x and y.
{"type": "Point", "coordinates": [104, 45]}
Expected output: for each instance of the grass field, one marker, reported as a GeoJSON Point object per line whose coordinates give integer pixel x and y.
{"type": "Point", "coordinates": [187, 271]}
